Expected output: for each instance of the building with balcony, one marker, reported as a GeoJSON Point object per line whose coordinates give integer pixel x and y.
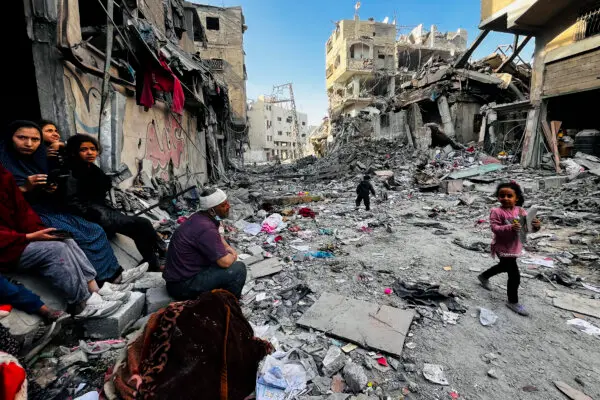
{"type": "Point", "coordinates": [223, 48]}
{"type": "Point", "coordinates": [271, 133]}
{"type": "Point", "coordinates": [360, 64]}
{"type": "Point", "coordinates": [565, 82]}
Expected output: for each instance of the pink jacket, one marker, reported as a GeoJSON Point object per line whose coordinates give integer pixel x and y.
{"type": "Point", "coordinates": [506, 242]}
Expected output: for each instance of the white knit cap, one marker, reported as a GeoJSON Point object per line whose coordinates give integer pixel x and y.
{"type": "Point", "coordinates": [213, 200]}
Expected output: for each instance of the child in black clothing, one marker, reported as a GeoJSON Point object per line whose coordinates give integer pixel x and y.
{"type": "Point", "coordinates": [363, 190]}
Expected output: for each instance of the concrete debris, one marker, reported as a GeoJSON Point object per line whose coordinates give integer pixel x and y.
{"type": "Point", "coordinates": [435, 373]}
{"type": "Point", "coordinates": [334, 361]}
{"type": "Point", "coordinates": [355, 377]}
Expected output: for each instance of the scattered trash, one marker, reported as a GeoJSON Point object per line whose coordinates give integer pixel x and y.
{"type": "Point", "coordinates": [570, 392]}
{"type": "Point", "coordinates": [584, 326]}
{"type": "Point", "coordinates": [487, 317]}
{"type": "Point", "coordinates": [448, 268]}
{"type": "Point", "coordinates": [349, 348]}
{"type": "Point", "coordinates": [388, 291]}
{"type": "Point", "coordinates": [435, 373]}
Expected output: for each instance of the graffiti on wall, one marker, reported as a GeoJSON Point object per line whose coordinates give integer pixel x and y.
{"type": "Point", "coordinates": [165, 144]}
{"type": "Point", "coordinates": [83, 91]}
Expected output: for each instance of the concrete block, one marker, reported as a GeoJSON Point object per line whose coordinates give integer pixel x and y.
{"type": "Point", "coordinates": [157, 298]}
{"type": "Point", "coordinates": [22, 326]}
{"type": "Point", "coordinates": [255, 250]}
{"type": "Point", "coordinates": [75, 357]}
{"type": "Point", "coordinates": [553, 182]}
{"type": "Point", "coordinates": [355, 377]}
{"type": "Point", "coordinates": [149, 280]}
{"type": "Point", "coordinates": [114, 325]}
{"type": "Point", "coordinates": [334, 360]}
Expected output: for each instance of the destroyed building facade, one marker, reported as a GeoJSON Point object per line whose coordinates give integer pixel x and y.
{"type": "Point", "coordinates": [416, 48]}
{"type": "Point", "coordinates": [360, 64]}
{"type": "Point", "coordinates": [223, 48]}
{"type": "Point", "coordinates": [155, 107]}
{"type": "Point", "coordinates": [271, 132]}
{"type": "Point", "coordinates": [566, 67]}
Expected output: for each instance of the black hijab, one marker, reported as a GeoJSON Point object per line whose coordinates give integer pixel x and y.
{"type": "Point", "coordinates": [22, 166]}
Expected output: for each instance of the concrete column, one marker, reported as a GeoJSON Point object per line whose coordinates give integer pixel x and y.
{"type": "Point", "coordinates": [392, 86]}
{"type": "Point", "coordinates": [356, 86]}
{"type": "Point", "coordinates": [446, 116]}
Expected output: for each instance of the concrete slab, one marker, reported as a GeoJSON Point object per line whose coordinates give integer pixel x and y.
{"type": "Point", "coordinates": [266, 267]}
{"type": "Point", "coordinates": [578, 304]}
{"type": "Point", "coordinates": [22, 326]}
{"type": "Point", "coordinates": [370, 325]}
{"type": "Point", "coordinates": [553, 182]}
{"type": "Point", "coordinates": [149, 280]}
{"type": "Point", "coordinates": [114, 325]}
{"type": "Point", "coordinates": [252, 259]}
{"type": "Point", "coordinates": [157, 298]}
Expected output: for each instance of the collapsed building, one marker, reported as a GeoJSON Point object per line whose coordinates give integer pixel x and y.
{"type": "Point", "coordinates": [124, 72]}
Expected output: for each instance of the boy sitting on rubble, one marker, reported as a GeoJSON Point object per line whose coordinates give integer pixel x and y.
{"type": "Point", "coordinates": [199, 259]}
{"type": "Point", "coordinates": [364, 188]}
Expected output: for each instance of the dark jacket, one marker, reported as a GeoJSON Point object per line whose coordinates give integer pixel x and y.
{"type": "Point", "coordinates": [364, 188]}
{"type": "Point", "coordinates": [86, 187]}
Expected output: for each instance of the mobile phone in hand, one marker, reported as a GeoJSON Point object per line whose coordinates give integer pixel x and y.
{"type": "Point", "coordinates": [61, 234]}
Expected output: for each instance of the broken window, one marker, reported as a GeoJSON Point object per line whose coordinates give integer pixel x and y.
{"type": "Point", "coordinates": [216, 64]}
{"type": "Point", "coordinates": [279, 119]}
{"type": "Point", "coordinates": [289, 120]}
{"type": "Point", "coordinates": [359, 51]}
{"type": "Point", "coordinates": [588, 24]}
{"type": "Point", "coordinates": [381, 56]}
{"type": "Point", "coordinates": [329, 45]}
{"type": "Point", "coordinates": [213, 24]}
{"type": "Point", "coordinates": [280, 133]}
{"type": "Point", "coordinates": [304, 135]}
{"type": "Point", "coordinates": [303, 123]}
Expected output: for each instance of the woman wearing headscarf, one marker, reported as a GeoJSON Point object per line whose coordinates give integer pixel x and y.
{"type": "Point", "coordinates": [86, 196]}
{"type": "Point", "coordinates": [23, 153]}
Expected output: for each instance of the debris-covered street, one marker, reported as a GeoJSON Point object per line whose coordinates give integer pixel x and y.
{"type": "Point", "coordinates": [171, 228]}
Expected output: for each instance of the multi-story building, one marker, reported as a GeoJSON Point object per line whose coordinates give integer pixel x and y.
{"type": "Point", "coordinates": [271, 132]}
{"type": "Point", "coordinates": [224, 49]}
{"type": "Point", "coordinates": [565, 81]}
{"type": "Point", "coordinates": [360, 64]}
{"type": "Point", "coordinates": [364, 61]}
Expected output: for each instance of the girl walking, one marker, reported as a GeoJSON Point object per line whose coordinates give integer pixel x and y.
{"type": "Point", "coordinates": [504, 222]}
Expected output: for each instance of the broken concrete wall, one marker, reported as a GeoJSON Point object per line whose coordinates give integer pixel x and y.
{"type": "Point", "coordinates": [464, 117]}
{"type": "Point", "coordinates": [392, 126]}
{"type": "Point", "coordinates": [165, 144]}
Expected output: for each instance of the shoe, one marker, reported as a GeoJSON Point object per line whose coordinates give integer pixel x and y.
{"type": "Point", "coordinates": [518, 308]}
{"type": "Point", "coordinates": [96, 307]}
{"type": "Point", "coordinates": [134, 273]}
{"type": "Point", "coordinates": [484, 282]}
{"type": "Point", "coordinates": [58, 316]}
{"type": "Point", "coordinates": [44, 335]}
{"type": "Point", "coordinates": [123, 297]}
{"type": "Point", "coordinates": [116, 287]}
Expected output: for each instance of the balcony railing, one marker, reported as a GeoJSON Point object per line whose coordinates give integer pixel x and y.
{"type": "Point", "coordinates": [365, 64]}
{"type": "Point", "coordinates": [588, 24]}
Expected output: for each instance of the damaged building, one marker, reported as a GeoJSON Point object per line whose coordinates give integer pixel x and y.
{"type": "Point", "coordinates": [561, 111]}
{"type": "Point", "coordinates": [124, 72]}
{"type": "Point", "coordinates": [271, 131]}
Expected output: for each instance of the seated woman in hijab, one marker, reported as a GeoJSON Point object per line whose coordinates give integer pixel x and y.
{"type": "Point", "coordinates": [86, 198]}
{"type": "Point", "coordinates": [27, 246]}
{"type": "Point", "coordinates": [24, 155]}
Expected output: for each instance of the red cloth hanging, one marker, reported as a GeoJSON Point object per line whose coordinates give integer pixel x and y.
{"type": "Point", "coordinates": [164, 80]}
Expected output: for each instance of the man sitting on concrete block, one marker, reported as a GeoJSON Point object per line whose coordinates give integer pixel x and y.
{"type": "Point", "coordinates": [199, 259]}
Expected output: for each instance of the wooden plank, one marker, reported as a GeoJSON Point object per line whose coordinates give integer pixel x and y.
{"type": "Point", "coordinates": [553, 145]}
{"type": "Point", "coordinates": [570, 392]}
{"type": "Point", "coordinates": [462, 60]}
{"type": "Point", "coordinates": [515, 52]}
{"type": "Point", "coordinates": [572, 89]}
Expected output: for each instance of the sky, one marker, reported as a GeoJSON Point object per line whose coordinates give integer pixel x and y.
{"type": "Point", "coordinates": [285, 40]}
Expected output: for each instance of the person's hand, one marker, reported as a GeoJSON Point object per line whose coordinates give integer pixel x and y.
{"type": "Point", "coordinates": [536, 224]}
{"type": "Point", "coordinates": [516, 226]}
{"type": "Point", "coordinates": [54, 147]}
{"type": "Point", "coordinates": [34, 181]}
{"type": "Point", "coordinates": [231, 251]}
{"type": "Point", "coordinates": [42, 235]}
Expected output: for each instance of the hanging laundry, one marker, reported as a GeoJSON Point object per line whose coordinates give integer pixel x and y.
{"type": "Point", "coordinates": [163, 79]}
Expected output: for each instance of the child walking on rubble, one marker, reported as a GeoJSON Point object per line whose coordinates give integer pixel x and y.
{"type": "Point", "coordinates": [364, 188]}
{"type": "Point", "coordinates": [504, 222]}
